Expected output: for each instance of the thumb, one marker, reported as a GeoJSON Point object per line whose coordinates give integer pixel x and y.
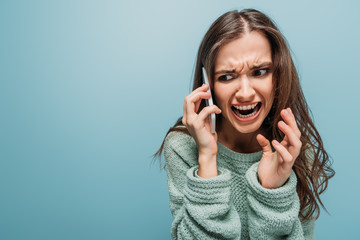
{"type": "Point", "coordinates": [264, 143]}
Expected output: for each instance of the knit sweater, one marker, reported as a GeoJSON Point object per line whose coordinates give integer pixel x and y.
{"type": "Point", "coordinates": [232, 205]}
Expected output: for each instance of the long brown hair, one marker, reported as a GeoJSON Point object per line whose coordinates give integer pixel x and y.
{"type": "Point", "coordinates": [312, 166]}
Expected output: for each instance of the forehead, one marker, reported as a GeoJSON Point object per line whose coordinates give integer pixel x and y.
{"type": "Point", "coordinates": [250, 49]}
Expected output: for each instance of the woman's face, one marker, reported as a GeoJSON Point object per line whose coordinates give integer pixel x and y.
{"type": "Point", "coordinates": [243, 86]}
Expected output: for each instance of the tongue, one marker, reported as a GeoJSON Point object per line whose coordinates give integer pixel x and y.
{"type": "Point", "coordinates": [246, 112]}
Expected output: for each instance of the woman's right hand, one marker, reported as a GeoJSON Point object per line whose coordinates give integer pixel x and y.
{"type": "Point", "coordinates": [199, 127]}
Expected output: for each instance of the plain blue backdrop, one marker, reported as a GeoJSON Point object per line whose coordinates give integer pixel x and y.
{"type": "Point", "coordinates": [88, 90]}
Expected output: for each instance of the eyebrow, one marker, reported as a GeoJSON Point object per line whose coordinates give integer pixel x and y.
{"type": "Point", "coordinates": [265, 64]}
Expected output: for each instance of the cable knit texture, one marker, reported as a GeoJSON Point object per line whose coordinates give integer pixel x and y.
{"type": "Point", "coordinates": [232, 205]}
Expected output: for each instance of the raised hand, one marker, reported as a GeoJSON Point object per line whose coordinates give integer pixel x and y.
{"type": "Point", "coordinates": [275, 167]}
{"type": "Point", "coordinates": [199, 127]}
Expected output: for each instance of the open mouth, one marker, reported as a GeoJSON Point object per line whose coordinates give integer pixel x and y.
{"type": "Point", "coordinates": [246, 111]}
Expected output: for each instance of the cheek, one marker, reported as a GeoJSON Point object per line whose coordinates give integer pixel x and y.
{"type": "Point", "coordinates": [218, 95]}
{"type": "Point", "coordinates": [222, 95]}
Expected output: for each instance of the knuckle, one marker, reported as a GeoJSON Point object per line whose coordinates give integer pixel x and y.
{"type": "Point", "coordinates": [288, 158]}
{"type": "Point", "coordinates": [183, 121]}
{"type": "Point", "coordinates": [189, 122]}
{"type": "Point", "coordinates": [206, 109]}
{"type": "Point", "coordinates": [297, 146]}
{"type": "Point", "coordinates": [212, 108]}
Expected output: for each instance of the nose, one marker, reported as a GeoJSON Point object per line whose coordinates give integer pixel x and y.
{"type": "Point", "coordinates": [245, 91]}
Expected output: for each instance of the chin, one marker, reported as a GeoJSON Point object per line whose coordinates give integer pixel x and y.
{"type": "Point", "coordinates": [248, 129]}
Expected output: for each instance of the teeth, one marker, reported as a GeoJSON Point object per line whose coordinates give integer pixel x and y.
{"type": "Point", "coordinates": [246, 116]}
{"type": "Point", "coordinates": [248, 107]}
{"type": "Point", "coordinates": [252, 106]}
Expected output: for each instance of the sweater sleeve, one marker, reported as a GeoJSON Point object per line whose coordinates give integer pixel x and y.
{"type": "Point", "coordinates": [273, 213]}
{"type": "Point", "coordinates": [201, 207]}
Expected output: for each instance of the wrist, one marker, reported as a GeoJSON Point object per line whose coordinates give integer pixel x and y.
{"type": "Point", "coordinates": [207, 158]}
{"type": "Point", "coordinates": [207, 166]}
{"type": "Point", "coordinates": [207, 152]}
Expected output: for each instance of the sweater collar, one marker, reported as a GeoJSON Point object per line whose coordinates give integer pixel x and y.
{"type": "Point", "coordinates": [243, 157]}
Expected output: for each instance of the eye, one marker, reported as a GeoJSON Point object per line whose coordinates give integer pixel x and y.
{"type": "Point", "coordinates": [261, 72]}
{"type": "Point", "coordinates": [225, 77]}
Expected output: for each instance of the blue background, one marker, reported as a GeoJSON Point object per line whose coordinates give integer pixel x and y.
{"type": "Point", "coordinates": [88, 90]}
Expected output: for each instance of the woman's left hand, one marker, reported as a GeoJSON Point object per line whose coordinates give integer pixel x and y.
{"type": "Point", "coordinates": [275, 167]}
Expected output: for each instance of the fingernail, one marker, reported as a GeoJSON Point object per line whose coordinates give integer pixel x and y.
{"type": "Point", "coordinates": [286, 111]}
{"type": "Point", "coordinates": [276, 142]}
{"type": "Point", "coordinates": [290, 110]}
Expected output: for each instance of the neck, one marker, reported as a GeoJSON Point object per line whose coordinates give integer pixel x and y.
{"type": "Point", "coordinates": [241, 142]}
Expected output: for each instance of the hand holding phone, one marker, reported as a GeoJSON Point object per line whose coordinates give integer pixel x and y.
{"type": "Point", "coordinates": [209, 102]}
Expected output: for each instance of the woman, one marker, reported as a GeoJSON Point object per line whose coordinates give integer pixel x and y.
{"type": "Point", "coordinates": [260, 175]}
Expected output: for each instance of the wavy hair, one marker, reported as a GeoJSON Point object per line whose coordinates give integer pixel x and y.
{"type": "Point", "coordinates": [312, 167]}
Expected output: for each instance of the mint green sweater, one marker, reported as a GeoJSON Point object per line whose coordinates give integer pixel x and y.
{"type": "Point", "coordinates": [232, 205]}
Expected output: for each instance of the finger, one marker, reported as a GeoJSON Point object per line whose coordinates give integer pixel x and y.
{"type": "Point", "coordinates": [202, 88]}
{"type": "Point", "coordinates": [292, 138]}
{"type": "Point", "coordinates": [264, 143]}
{"type": "Point", "coordinates": [297, 130]}
{"type": "Point", "coordinates": [290, 120]}
{"type": "Point", "coordinates": [192, 102]}
{"type": "Point", "coordinates": [206, 111]}
{"type": "Point", "coordinates": [197, 99]}
{"type": "Point", "coordinates": [285, 141]}
{"type": "Point", "coordinates": [285, 155]}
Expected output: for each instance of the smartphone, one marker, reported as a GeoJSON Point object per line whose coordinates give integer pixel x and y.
{"type": "Point", "coordinates": [209, 102]}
